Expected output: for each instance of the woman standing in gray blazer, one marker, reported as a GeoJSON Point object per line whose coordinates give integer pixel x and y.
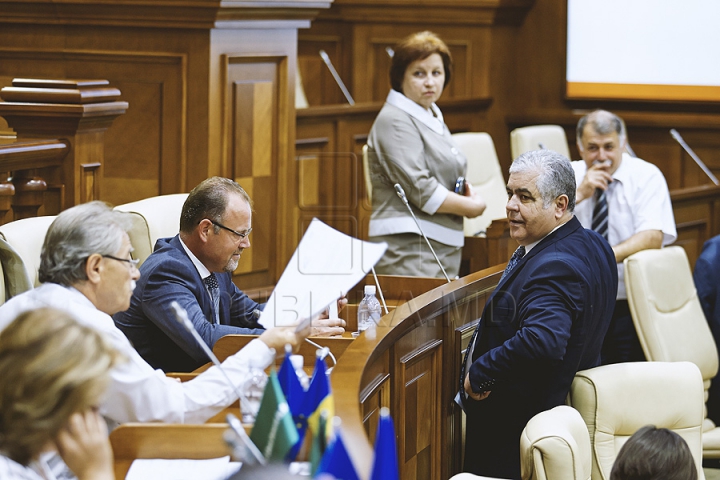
{"type": "Point", "coordinates": [410, 144]}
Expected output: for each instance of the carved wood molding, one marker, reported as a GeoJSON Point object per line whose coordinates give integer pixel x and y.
{"type": "Point", "coordinates": [450, 12]}
{"type": "Point", "coordinates": [203, 14]}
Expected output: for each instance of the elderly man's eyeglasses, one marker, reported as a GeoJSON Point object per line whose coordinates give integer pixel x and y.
{"type": "Point", "coordinates": [242, 235]}
{"type": "Point", "coordinates": [133, 262]}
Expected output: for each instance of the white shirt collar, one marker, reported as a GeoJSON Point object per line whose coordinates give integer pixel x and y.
{"type": "Point", "coordinates": [532, 245]}
{"type": "Point", "coordinates": [622, 174]}
{"type": "Point", "coordinates": [433, 122]}
{"type": "Point", "coordinates": [202, 269]}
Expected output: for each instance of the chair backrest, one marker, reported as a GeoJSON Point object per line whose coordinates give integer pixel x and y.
{"type": "Point", "coordinates": [153, 218]}
{"type": "Point", "coordinates": [485, 175]}
{"type": "Point", "coordinates": [26, 238]}
{"type": "Point", "coordinates": [666, 310]}
{"type": "Point", "coordinates": [366, 174]}
{"type": "Point", "coordinates": [555, 445]}
{"type": "Point", "coordinates": [617, 400]}
{"type": "Point", "coordinates": [535, 137]}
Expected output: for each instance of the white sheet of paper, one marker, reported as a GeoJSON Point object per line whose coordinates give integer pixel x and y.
{"type": "Point", "coordinates": [182, 469]}
{"type": "Point", "coordinates": [324, 267]}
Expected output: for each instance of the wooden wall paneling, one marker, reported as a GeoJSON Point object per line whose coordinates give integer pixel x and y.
{"type": "Point", "coordinates": [376, 393]}
{"type": "Point", "coordinates": [145, 149]}
{"type": "Point", "coordinates": [697, 216]}
{"type": "Point", "coordinates": [314, 149]}
{"type": "Point", "coordinates": [254, 111]}
{"type": "Point", "coordinates": [418, 387]}
{"type": "Point", "coordinates": [456, 435]}
{"type": "Point", "coordinates": [371, 72]}
{"type": "Point", "coordinates": [318, 83]}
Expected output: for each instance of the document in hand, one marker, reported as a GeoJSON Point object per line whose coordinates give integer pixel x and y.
{"type": "Point", "coordinates": [324, 267]}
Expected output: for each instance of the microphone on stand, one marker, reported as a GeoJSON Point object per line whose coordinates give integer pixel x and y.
{"type": "Point", "coordinates": [377, 284]}
{"type": "Point", "coordinates": [401, 193]}
{"type": "Point", "coordinates": [692, 154]}
{"type": "Point", "coordinates": [337, 78]}
{"type": "Point", "coordinates": [182, 318]}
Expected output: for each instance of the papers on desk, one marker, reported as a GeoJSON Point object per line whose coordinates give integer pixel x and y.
{"type": "Point", "coordinates": [324, 267]}
{"type": "Point", "coordinates": [182, 469]}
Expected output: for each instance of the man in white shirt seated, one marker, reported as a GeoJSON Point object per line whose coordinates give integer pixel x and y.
{"type": "Point", "coordinates": [86, 268]}
{"type": "Point", "coordinates": [627, 201]}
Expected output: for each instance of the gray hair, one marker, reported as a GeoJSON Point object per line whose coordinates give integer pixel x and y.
{"type": "Point", "coordinates": [77, 233]}
{"type": "Point", "coordinates": [556, 175]}
{"type": "Point", "coordinates": [604, 123]}
{"type": "Point", "coordinates": [209, 200]}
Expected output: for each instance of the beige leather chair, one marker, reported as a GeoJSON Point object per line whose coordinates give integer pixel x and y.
{"type": "Point", "coordinates": [486, 177]}
{"type": "Point", "coordinates": [22, 259]}
{"type": "Point", "coordinates": [153, 218]}
{"type": "Point", "coordinates": [525, 139]}
{"type": "Point", "coordinates": [554, 445]}
{"type": "Point", "coordinates": [617, 400]}
{"type": "Point", "coordinates": [669, 320]}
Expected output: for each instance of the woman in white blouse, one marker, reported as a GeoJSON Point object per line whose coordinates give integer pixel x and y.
{"type": "Point", "coordinates": [54, 373]}
{"type": "Point", "coordinates": [410, 144]}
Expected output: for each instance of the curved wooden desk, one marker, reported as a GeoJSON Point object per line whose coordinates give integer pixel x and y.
{"type": "Point", "coordinates": [412, 367]}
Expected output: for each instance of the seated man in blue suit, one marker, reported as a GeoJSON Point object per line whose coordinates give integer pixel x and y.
{"type": "Point", "coordinates": [545, 320]}
{"type": "Point", "coordinates": [195, 269]}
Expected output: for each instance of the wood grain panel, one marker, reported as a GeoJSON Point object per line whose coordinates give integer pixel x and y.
{"type": "Point", "coordinates": [253, 104]}
{"type": "Point", "coordinates": [318, 83]}
{"type": "Point", "coordinates": [141, 147]}
{"type": "Point", "coordinates": [374, 397]}
{"type": "Point", "coordinates": [419, 397]}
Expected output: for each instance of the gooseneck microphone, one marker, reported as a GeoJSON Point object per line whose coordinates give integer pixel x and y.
{"type": "Point", "coordinates": [326, 59]}
{"type": "Point", "coordinates": [182, 317]}
{"type": "Point", "coordinates": [401, 193]}
{"type": "Point", "coordinates": [692, 154]}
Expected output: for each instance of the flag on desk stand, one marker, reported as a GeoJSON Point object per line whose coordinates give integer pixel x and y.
{"type": "Point", "coordinates": [319, 442]}
{"type": "Point", "coordinates": [294, 394]}
{"type": "Point", "coordinates": [290, 384]}
{"type": "Point", "coordinates": [336, 461]}
{"type": "Point", "coordinates": [385, 466]}
{"type": "Point", "coordinates": [317, 398]}
{"type": "Point", "coordinates": [274, 432]}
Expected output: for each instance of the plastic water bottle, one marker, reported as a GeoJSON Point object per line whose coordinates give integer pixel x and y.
{"type": "Point", "coordinates": [369, 310]}
{"type": "Point", "coordinates": [253, 388]}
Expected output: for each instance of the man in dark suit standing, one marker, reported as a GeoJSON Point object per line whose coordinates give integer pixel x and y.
{"type": "Point", "coordinates": [195, 269]}
{"type": "Point", "coordinates": [545, 321]}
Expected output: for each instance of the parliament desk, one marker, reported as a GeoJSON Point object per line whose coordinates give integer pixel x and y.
{"type": "Point", "coordinates": [411, 367]}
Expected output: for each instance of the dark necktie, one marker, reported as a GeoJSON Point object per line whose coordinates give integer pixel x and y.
{"type": "Point", "coordinates": [600, 214]}
{"type": "Point", "coordinates": [517, 255]}
{"type": "Point", "coordinates": [514, 259]}
{"type": "Point", "coordinates": [212, 284]}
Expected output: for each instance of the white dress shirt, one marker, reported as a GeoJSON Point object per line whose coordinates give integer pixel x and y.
{"type": "Point", "coordinates": [137, 393]}
{"type": "Point", "coordinates": [638, 200]}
